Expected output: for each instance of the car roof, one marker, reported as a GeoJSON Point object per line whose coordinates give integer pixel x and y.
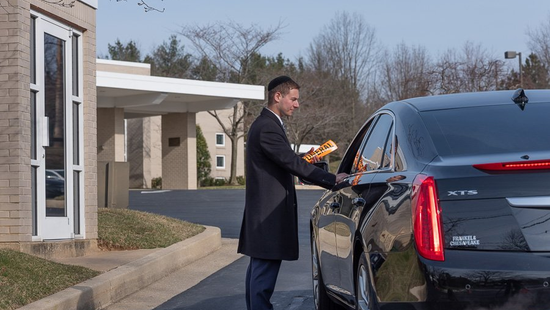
{"type": "Point", "coordinates": [477, 99]}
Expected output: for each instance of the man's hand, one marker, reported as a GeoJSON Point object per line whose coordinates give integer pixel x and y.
{"type": "Point", "coordinates": [341, 177]}
{"type": "Point", "coordinates": [314, 159]}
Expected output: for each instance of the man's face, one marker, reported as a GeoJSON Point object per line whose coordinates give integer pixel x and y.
{"type": "Point", "coordinates": [287, 104]}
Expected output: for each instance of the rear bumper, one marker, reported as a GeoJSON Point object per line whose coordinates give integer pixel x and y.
{"type": "Point", "coordinates": [467, 280]}
{"type": "Point", "coordinates": [521, 280]}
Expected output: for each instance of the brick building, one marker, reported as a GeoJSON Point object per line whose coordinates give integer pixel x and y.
{"type": "Point", "coordinates": [58, 121]}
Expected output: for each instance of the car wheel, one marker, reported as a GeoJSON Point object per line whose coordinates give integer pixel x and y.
{"type": "Point", "coordinates": [364, 299]}
{"type": "Point", "coordinates": [320, 297]}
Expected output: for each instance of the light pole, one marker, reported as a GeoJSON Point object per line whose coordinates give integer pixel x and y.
{"type": "Point", "coordinates": [512, 55]}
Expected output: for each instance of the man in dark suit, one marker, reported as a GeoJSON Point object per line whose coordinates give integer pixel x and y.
{"type": "Point", "coordinates": [269, 232]}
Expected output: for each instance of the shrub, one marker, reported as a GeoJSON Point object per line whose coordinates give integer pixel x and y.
{"type": "Point", "coordinates": [204, 167]}
{"type": "Point", "coordinates": [241, 180]}
{"type": "Point", "coordinates": [219, 182]}
{"type": "Point", "coordinates": [156, 182]}
{"type": "Point", "coordinates": [208, 181]}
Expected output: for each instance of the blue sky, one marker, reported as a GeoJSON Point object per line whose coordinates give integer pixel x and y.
{"type": "Point", "coordinates": [437, 25]}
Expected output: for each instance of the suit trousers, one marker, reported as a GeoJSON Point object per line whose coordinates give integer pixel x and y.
{"type": "Point", "coordinates": [261, 277]}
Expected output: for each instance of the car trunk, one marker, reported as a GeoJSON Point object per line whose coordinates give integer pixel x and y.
{"type": "Point", "coordinates": [504, 211]}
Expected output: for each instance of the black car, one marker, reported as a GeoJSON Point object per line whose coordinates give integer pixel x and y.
{"type": "Point", "coordinates": [447, 206]}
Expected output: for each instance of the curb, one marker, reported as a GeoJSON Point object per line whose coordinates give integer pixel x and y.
{"type": "Point", "coordinates": [114, 285]}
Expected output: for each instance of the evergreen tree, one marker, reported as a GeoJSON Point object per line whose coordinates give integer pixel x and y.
{"type": "Point", "coordinates": [204, 167]}
{"type": "Point", "coordinates": [205, 70]}
{"type": "Point", "coordinates": [124, 52]}
{"type": "Point", "coordinates": [170, 60]}
{"type": "Point", "coordinates": [535, 73]}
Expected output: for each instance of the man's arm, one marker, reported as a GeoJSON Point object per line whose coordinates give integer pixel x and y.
{"type": "Point", "coordinates": [275, 146]}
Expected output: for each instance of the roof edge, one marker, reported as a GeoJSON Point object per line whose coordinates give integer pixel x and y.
{"type": "Point", "coordinates": [178, 86]}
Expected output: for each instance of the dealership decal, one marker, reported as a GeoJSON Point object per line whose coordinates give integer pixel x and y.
{"type": "Point", "coordinates": [464, 241]}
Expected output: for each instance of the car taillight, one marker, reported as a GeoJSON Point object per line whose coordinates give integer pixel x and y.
{"type": "Point", "coordinates": [516, 165]}
{"type": "Point", "coordinates": [426, 215]}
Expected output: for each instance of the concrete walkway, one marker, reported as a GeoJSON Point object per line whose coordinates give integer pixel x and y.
{"type": "Point", "coordinates": [127, 272]}
{"type": "Point", "coordinates": [181, 280]}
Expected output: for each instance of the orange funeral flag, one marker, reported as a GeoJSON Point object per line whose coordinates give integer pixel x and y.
{"type": "Point", "coordinates": [321, 151]}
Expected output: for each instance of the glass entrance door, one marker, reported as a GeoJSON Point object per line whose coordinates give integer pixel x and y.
{"type": "Point", "coordinates": [51, 106]}
{"type": "Point", "coordinates": [54, 113]}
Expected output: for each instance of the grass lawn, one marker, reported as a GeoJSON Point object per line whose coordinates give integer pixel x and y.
{"type": "Point", "coordinates": [25, 278]}
{"type": "Point", "coordinates": [123, 229]}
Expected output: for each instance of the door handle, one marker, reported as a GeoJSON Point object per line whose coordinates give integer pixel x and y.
{"type": "Point", "coordinates": [46, 132]}
{"type": "Point", "coordinates": [359, 202]}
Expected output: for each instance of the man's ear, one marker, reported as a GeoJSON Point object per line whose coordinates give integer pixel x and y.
{"type": "Point", "coordinates": [277, 97]}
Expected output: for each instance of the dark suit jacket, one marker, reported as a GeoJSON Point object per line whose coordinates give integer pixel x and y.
{"type": "Point", "coordinates": [270, 223]}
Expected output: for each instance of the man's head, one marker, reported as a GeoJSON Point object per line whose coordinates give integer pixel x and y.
{"type": "Point", "coordinates": [283, 94]}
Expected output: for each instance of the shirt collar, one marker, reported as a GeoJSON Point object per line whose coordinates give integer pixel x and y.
{"type": "Point", "coordinates": [278, 117]}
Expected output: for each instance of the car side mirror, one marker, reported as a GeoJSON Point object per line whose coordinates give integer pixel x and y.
{"type": "Point", "coordinates": [322, 165]}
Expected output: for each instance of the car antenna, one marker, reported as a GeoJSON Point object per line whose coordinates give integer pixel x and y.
{"type": "Point", "coordinates": [519, 98]}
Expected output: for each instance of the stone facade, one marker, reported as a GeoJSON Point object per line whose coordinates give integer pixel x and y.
{"type": "Point", "coordinates": [144, 150]}
{"type": "Point", "coordinates": [110, 146]}
{"type": "Point", "coordinates": [179, 151]}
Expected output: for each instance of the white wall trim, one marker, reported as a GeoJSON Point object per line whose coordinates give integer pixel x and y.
{"type": "Point", "coordinates": [92, 3]}
{"type": "Point", "coordinates": [123, 63]}
{"type": "Point", "coordinates": [178, 86]}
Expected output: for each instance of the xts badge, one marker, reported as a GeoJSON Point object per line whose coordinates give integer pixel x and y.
{"type": "Point", "coordinates": [469, 192]}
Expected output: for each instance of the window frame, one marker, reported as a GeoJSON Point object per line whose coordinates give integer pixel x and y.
{"type": "Point", "coordinates": [220, 167]}
{"type": "Point", "coordinates": [222, 135]}
{"type": "Point", "coordinates": [371, 123]}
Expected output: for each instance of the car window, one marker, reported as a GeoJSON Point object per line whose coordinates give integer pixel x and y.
{"type": "Point", "coordinates": [371, 156]}
{"type": "Point", "coordinates": [489, 130]}
{"type": "Point", "coordinates": [349, 160]}
{"type": "Point", "coordinates": [387, 158]}
{"type": "Point", "coordinates": [399, 157]}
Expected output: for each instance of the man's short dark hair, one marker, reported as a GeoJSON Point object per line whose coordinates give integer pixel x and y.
{"type": "Point", "coordinates": [282, 84]}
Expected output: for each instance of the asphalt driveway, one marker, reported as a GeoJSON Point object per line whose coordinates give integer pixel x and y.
{"type": "Point", "coordinates": [224, 209]}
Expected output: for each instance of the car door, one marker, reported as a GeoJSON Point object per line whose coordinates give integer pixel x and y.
{"type": "Point", "coordinates": [324, 213]}
{"type": "Point", "coordinates": [357, 199]}
{"type": "Point", "coordinates": [386, 230]}
{"type": "Point", "coordinates": [324, 238]}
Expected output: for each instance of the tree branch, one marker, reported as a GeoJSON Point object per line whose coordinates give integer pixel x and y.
{"type": "Point", "coordinates": [146, 6]}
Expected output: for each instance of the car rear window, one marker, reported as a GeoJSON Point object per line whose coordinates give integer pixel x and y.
{"type": "Point", "coordinates": [490, 129]}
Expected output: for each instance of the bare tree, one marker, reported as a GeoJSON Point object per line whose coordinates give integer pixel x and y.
{"type": "Point", "coordinates": [231, 47]}
{"type": "Point", "coordinates": [405, 73]}
{"type": "Point", "coordinates": [348, 50]}
{"type": "Point", "coordinates": [145, 5]}
{"type": "Point", "coordinates": [539, 41]}
{"type": "Point", "coordinates": [472, 69]}
{"type": "Point", "coordinates": [320, 111]}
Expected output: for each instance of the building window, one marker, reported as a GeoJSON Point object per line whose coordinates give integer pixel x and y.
{"type": "Point", "coordinates": [220, 139]}
{"type": "Point", "coordinates": [220, 162]}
